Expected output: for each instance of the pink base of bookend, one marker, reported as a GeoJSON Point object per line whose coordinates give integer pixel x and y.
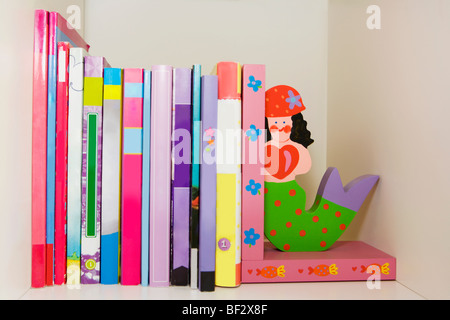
{"type": "Point", "coordinates": [344, 261]}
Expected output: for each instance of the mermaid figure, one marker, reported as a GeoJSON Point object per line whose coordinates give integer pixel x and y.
{"type": "Point", "coordinates": [287, 225]}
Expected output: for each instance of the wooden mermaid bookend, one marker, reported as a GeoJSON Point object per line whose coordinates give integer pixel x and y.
{"type": "Point", "coordinates": [287, 225]}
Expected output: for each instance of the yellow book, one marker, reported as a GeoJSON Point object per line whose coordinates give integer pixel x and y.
{"type": "Point", "coordinates": [228, 157]}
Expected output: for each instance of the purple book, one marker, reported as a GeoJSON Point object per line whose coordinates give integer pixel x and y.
{"type": "Point", "coordinates": [160, 175]}
{"type": "Point", "coordinates": [181, 176]}
{"type": "Point", "coordinates": [91, 182]}
{"type": "Point", "coordinates": [208, 172]}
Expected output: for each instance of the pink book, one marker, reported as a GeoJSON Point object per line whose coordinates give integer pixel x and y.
{"type": "Point", "coordinates": [133, 99]}
{"type": "Point", "coordinates": [62, 113]}
{"type": "Point", "coordinates": [39, 148]}
{"type": "Point", "coordinates": [160, 175]}
{"type": "Point", "coordinates": [253, 143]}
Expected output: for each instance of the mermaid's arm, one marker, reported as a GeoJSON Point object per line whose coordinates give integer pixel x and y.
{"type": "Point", "coordinates": [304, 163]}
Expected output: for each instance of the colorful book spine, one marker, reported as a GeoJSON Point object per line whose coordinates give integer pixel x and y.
{"type": "Point", "coordinates": [39, 149]}
{"type": "Point", "coordinates": [181, 175]}
{"type": "Point", "coordinates": [58, 31]}
{"type": "Point", "coordinates": [160, 175]}
{"type": "Point", "coordinates": [195, 184]}
{"type": "Point", "coordinates": [146, 146]}
{"type": "Point", "coordinates": [62, 109]}
{"type": "Point", "coordinates": [253, 146]}
{"type": "Point", "coordinates": [92, 169]}
{"type": "Point", "coordinates": [111, 181]}
{"type": "Point", "coordinates": [208, 181]}
{"type": "Point", "coordinates": [74, 164]}
{"type": "Point", "coordinates": [228, 231]}
{"type": "Point", "coordinates": [132, 176]}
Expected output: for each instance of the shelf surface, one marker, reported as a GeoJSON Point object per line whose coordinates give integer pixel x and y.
{"type": "Point", "coordinates": [389, 290]}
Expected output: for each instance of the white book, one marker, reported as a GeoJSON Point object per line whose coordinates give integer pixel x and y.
{"type": "Point", "coordinates": [75, 133]}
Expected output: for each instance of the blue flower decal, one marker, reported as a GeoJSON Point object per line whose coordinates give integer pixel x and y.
{"type": "Point", "coordinates": [293, 100]}
{"type": "Point", "coordinates": [253, 133]}
{"type": "Point", "coordinates": [253, 187]}
{"type": "Point", "coordinates": [254, 84]}
{"type": "Point", "coordinates": [251, 237]}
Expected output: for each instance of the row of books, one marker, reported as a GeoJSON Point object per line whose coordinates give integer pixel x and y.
{"type": "Point", "coordinates": [126, 187]}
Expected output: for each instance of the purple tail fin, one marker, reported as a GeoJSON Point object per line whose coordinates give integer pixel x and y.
{"type": "Point", "coordinates": [352, 195]}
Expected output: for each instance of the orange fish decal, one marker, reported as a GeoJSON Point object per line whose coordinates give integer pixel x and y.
{"type": "Point", "coordinates": [271, 272]}
{"type": "Point", "coordinates": [323, 270]}
{"type": "Point", "coordinates": [384, 269]}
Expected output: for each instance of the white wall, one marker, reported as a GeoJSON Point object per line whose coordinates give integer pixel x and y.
{"type": "Point", "coordinates": [388, 114]}
{"type": "Point", "coordinates": [289, 37]}
{"type": "Point", "coordinates": [16, 63]}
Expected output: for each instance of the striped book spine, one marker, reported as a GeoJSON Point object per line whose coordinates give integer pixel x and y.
{"type": "Point", "coordinates": [111, 183]}
{"type": "Point", "coordinates": [253, 146]}
{"type": "Point", "coordinates": [195, 185]}
{"type": "Point", "coordinates": [62, 109]}
{"type": "Point", "coordinates": [208, 180]}
{"type": "Point", "coordinates": [160, 175]}
{"type": "Point", "coordinates": [228, 231]}
{"type": "Point", "coordinates": [181, 175]}
{"type": "Point", "coordinates": [132, 176]}
{"type": "Point", "coordinates": [146, 178]}
{"type": "Point", "coordinates": [39, 149]}
{"type": "Point", "coordinates": [76, 100]}
{"type": "Point", "coordinates": [91, 189]}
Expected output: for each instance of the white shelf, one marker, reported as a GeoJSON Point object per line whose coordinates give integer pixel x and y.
{"type": "Point", "coordinates": [389, 290]}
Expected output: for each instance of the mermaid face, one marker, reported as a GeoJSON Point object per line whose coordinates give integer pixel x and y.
{"type": "Point", "coordinates": [280, 128]}
{"type": "Point", "coordinates": [285, 159]}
